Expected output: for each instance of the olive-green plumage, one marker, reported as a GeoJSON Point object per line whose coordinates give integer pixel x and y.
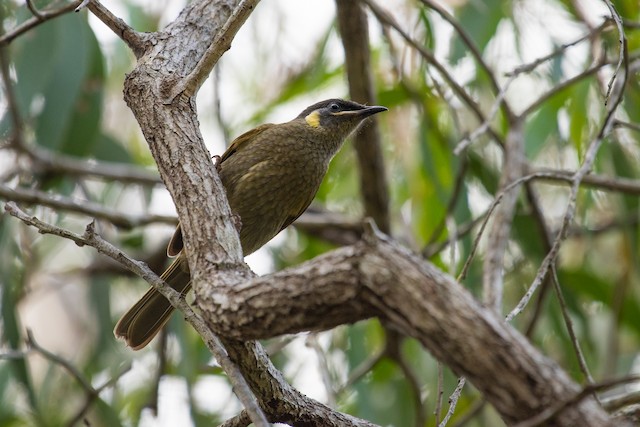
{"type": "Point", "coordinates": [271, 174]}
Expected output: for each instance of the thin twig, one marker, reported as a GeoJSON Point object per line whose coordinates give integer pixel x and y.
{"type": "Point", "coordinates": [385, 19]}
{"type": "Point", "coordinates": [462, 230]}
{"type": "Point", "coordinates": [570, 329]}
{"type": "Point", "coordinates": [475, 52]}
{"type": "Point", "coordinates": [527, 68]}
{"type": "Point", "coordinates": [90, 397]}
{"type": "Point", "coordinates": [440, 393]}
{"type": "Point", "coordinates": [586, 391]}
{"type": "Point", "coordinates": [618, 184]}
{"type": "Point", "coordinates": [361, 370]}
{"type": "Point", "coordinates": [585, 168]}
{"type": "Point", "coordinates": [614, 224]}
{"type": "Point", "coordinates": [82, 5]}
{"type": "Point", "coordinates": [601, 182]}
{"type": "Point", "coordinates": [562, 86]}
{"type": "Point", "coordinates": [32, 8]}
{"type": "Point", "coordinates": [94, 210]}
{"type": "Point", "coordinates": [60, 163]}
{"type": "Point", "coordinates": [91, 393]}
{"type": "Point", "coordinates": [189, 85]}
{"type": "Point", "coordinates": [136, 41]}
{"type": "Point", "coordinates": [628, 125]}
{"type": "Point", "coordinates": [90, 238]}
{"type": "Point", "coordinates": [42, 17]}
{"type": "Point", "coordinates": [323, 366]}
{"type": "Point", "coordinates": [492, 207]}
{"type": "Point", "coordinates": [623, 48]}
{"type": "Point", "coordinates": [486, 124]}
{"type": "Point", "coordinates": [276, 346]}
{"type": "Point", "coordinates": [471, 413]}
{"type": "Point", "coordinates": [68, 366]}
{"type": "Point", "coordinates": [453, 401]}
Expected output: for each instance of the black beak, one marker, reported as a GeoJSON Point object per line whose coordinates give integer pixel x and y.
{"type": "Point", "coordinates": [362, 113]}
{"type": "Point", "coordinates": [370, 111]}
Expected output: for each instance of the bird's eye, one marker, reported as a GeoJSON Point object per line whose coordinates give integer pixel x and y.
{"type": "Point", "coordinates": [334, 107]}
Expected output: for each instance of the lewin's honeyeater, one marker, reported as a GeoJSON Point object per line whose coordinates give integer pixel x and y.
{"type": "Point", "coordinates": [271, 174]}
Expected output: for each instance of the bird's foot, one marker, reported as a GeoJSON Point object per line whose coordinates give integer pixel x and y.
{"type": "Point", "coordinates": [216, 162]}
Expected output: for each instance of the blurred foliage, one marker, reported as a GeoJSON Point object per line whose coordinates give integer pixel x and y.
{"type": "Point", "coordinates": [68, 84]}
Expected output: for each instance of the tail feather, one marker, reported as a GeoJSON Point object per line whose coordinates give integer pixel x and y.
{"type": "Point", "coordinates": [145, 319]}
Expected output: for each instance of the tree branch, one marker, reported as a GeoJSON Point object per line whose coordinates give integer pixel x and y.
{"type": "Point", "coordinates": [475, 52]}
{"type": "Point", "coordinates": [137, 42]}
{"type": "Point", "coordinates": [40, 18]}
{"type": "Point", "coordinates": [90, 238]}
{"type": "Point", "coordinates": [189, 85]}
{"type": "Point", "coordinates": [95, 210]}
{"type": "Point", "coordinates": [386, 19]}
{"type": "Point", "coordinates": [498, 235]}
{"type": "Point", "coordinates": [380, 278]}
{"type": "Point", "coordinates": [91, 393]}
{"type": "Point", "coordinates": [49, 161]}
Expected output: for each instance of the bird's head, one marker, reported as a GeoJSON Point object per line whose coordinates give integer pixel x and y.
{"type": "Point", "coordinates": [337, 118]}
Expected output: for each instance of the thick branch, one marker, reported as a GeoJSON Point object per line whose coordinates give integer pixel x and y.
{"type": "Point", "coordinates": [279, 400]}
{"type": "Point", "coordinates": [383, 279]}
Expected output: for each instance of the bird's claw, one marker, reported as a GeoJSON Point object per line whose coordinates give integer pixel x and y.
{"type": "Point", "coordinates": [216, 162]}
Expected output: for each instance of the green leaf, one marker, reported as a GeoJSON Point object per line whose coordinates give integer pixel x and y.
{"type": "Point", "coordinates": [435, 181]}
{"type": "Point", "coordinates": [578, 114]}
{"type": "Point", "coordinates": [60, 74]}
{"type": "Point", "coordinates": [488, 177]}
{"type": "Point", "coordinates": [527, 234]}
{"type": "Point", "coordinates": [542, 126]}
{"type": "Point", "coordinates": [106, 414]}
{"type": "Point", "coordinates": [110, 150]}
{"type": "Point", "coordinates": [480, 19]}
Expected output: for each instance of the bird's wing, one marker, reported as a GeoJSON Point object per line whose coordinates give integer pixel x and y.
{"type": "Point", "coordinates": [176, 244]}
{"type": "Point", "coordinates": [297, 212]}
{"type": "Point", "coordinates": [242, 140]}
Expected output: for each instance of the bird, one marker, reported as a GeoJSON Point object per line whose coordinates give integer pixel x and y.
{"type": "Point", "coordinates": [271, 174]}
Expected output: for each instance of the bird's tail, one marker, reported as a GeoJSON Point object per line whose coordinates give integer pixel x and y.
{"type": "Point", "coordinates": [146, 318]}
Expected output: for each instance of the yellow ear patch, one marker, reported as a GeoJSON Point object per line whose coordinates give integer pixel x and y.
{"type": "Point", "coordinates": [313, 119]}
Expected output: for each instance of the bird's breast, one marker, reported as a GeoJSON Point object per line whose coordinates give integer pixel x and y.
{"type": "Point", "coordinates": [269, 193]}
